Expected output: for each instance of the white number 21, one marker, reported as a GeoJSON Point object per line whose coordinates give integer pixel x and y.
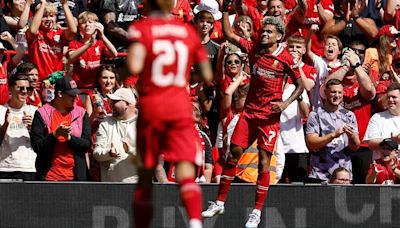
{"type": "Point", "coordinates": [168, 53]}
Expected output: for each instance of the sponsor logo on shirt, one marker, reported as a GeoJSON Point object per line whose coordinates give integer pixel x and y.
{"type": "Point", "coordinates": [312, 20]}
{"type": "Point", "coordinates": [89, 64]}
{"type": "Point", "coordinates": [352, 104]}
{"type": "Point", "coordinates": [262, 72]}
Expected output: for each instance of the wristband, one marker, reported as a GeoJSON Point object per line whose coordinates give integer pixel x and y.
{"type": "Point", "coordinates": [300, 98]}
{"type": "Point", "coordinates": [357, 65]}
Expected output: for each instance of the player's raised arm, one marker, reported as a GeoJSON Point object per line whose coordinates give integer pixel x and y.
{"type": "Point", "coordinates": [136, 58]}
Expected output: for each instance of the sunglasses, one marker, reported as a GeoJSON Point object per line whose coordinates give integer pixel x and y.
{"type": "Point", "coordinates": [359, 51]}
{"type": "Point", "coordinates": [24, 88]}
{"type": "Point", "coordinates": [230, 62]}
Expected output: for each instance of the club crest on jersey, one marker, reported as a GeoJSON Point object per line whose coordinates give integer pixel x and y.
{"type": "Point", "coordinates": [97, 51]}
{"type": "Point", "coordinates": [275, 64]}
{"type": "Point", "coordinates": [57, 38]}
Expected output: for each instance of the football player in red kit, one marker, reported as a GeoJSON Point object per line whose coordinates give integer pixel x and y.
{"type": "Point", "coordinates": [270, 63]}
{"type": "Point", "coordinates": [162, 51]}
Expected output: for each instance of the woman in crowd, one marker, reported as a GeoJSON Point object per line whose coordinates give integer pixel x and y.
{"type": "Point", "coordinates": [98, 107]}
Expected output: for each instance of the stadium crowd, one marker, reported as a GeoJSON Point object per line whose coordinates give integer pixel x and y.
{"type": "Point", "coordinates": [302, 91]}
{"type": "Point", "coordinates": [68, 102]}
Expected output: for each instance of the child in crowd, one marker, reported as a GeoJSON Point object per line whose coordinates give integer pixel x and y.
{"type": "Point", "coordinates": [87, 52]}
{"type": "Point", "coordinates": [46, 39]}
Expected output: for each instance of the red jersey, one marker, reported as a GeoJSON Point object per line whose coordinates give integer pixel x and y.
{"type": "Point", "coordinates": [397, 23]}
{"type": "Point", "coordinates": [3, 84]}
{"type": "Point", "coordinates": [386, 176]}
{"type": "Point", "coordinates": [312, 17]}
{"type": "Point", "coordinates": [362, 108]}
{"type": "Point", "coordinates": [46, 51]}
{"type": "Point", "coordinates": [183, 11]}
{"type": "Point", "coordinates": [267, 76]}
{"type": "Point", "coordinates": [86, 67]}
{"type": "Point", "coordinates": [257, 17]}
{"type": "Point", "coordinates": [217, 34]}
{"type": "Point", "coordinates": [172, 47]}
{"type": "Point", "coordinates": [309, 71]}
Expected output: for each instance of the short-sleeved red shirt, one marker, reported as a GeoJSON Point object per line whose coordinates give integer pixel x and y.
{"type": "Point", "coordinates": [86, 67]}
{"type": "Point", "coordinates": [312, 17]}
{"type": "Point", "coordinates": [172, 47]}
{"type": "Point", "coordinates": [362, 108]}
{"type": "Point", "coordinates": [267, 77]}
{"type": "Point", "coordinates": [46, 51]}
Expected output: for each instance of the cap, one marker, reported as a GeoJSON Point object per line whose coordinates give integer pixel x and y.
{"type": "Point", "coordinates": [389, 144]}
{"type": "Point", "coordinates": [67, 85]}
{"type": "Point", "coordinates": [388, 30]}
{"type": "Point", "coordinates": [123, 94]}
{"type": "Point", "coordinates": [210, 6]}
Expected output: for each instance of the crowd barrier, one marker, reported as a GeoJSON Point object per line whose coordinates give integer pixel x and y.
{"type": "Point", "coordinates": [98, 205]}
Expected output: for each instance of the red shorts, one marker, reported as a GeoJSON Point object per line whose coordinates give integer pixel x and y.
{"type": "Point", "coordinates": [176, 140]}
{"type": "Point", "coordinates": [249, 129]}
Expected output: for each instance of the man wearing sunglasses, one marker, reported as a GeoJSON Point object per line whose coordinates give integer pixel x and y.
{"type": "Point", "coordinates": [17, 158]}
{"type": "Point", "coordinates": [359, 91]}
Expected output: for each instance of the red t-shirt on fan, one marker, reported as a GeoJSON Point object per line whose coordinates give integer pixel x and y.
{"type": "Point", "coordinates": [46, 51]}
{"type": "Point", "coordinates": [86, 68]}
{"type": "Point", "coordinates": [163, 83]}
{"type": "Point", "coordinates": [3, 84]}
{"type": "Point", "coordinates": [267, 75]}
{"type": "Point", "coordinates": [311, 17]}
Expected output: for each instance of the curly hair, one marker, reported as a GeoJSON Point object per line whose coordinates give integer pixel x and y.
{"type": "Point", "coordinates": [277, 22]}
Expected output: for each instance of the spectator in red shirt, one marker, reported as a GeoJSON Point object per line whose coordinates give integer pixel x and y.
{"type": "Point", "coordinates": [87, 53]}
{"type": "Point", "coordinates": [386, 169]}
{"type": "Point", "coordinates": [6, 64]}
{"type": "Point", "coordinates": [46, 39]}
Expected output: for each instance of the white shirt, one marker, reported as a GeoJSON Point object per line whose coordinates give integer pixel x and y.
{"type": "Point", "coordinates": [381, 125]}
{"type": "Point", "coordinates": [291, 138]}
{"type": "Point", "coordinates": [16, 153]}
{"type": "Point", "coordinates": [123, 168]}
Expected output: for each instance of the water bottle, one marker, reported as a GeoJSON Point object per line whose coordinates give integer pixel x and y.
{"type": "Point", "coordinates": [99, 103]}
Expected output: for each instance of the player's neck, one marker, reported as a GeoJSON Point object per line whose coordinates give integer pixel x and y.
{"type": "Point", "coordinates": [269, 49]}
{"type": "Point", "coordinates": [157, 13]}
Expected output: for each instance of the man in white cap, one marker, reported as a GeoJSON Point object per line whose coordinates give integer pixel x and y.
{"type": "Point", "coordinates": [115, 146]}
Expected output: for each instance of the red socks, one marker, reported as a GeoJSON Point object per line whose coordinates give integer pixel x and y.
{"type": "Point", "coordinates": [142, 206]}
{"type": "Point", "coordinates": [262, 189]}
{"type": "Point", "coordinates": [191, 198]}
{"type": "Point", "coordinates": [228, 174]}
{"type": "Point", "coordinates": [219, 165]}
